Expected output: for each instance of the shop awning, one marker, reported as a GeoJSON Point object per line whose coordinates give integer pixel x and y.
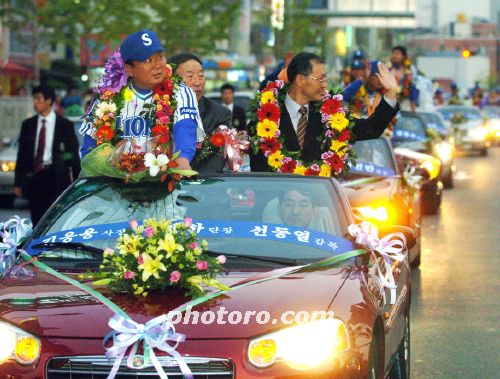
{"type": "Point", "coordinates": [13, 69]}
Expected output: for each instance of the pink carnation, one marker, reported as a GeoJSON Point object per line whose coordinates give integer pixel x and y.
{"type": "Point", "coordinates": [193, 245]}
{"type": "Point", "coordinates": [175, 276]}
{"type": "Point", "coordinates": [149, 231]}
{"type": "Point", "coordinates": [140, 260]}
{"type": "Point", "coordinates": [133, 224]}
{"type": "Point", "coordinates": [188, 221]}
{"type": "Point", "coordinates": [129, 275]}
{"type": "Point", "coordinates": [202, 265]}
{"type": "Point", "coordinates": [221, 259]}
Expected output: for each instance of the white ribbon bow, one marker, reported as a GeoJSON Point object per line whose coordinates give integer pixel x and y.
{"type": "Point", "coordinates": [155, 334]}
{"type": "Point", "coordinates": [392, 248]}
{"type": "Point", "coordinates": [12, 232]}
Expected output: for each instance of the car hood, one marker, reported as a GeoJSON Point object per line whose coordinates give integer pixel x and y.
{"type": "Point", "coordinates": [50, 307]}
{"type": "Point", "coordinates": [361, 194]}
{"type": "Point", "coordinates": [470, 124]}
{"type": "Point", "coordinates": [418, 146]}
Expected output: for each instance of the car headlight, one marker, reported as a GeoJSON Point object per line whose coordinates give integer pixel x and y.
{"type": "Point", "coordinates": [17, 344]}
{"type": "Point", "coordinates": [8, 166]}
{"type": "Point", "coordinates": [444, 151]}
{"type": "Point", "coordinates": [376, 212]}
{"type": "Point", "coordinates": [479, 133]}
{"type": "Point", "coordinates": [302, 346]}
{"type": "Point", "coordinates": [432, 165]}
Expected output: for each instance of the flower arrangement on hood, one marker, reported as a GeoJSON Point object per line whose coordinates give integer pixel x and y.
{"type": "Point", "coordinates": [336, 136]}
{"type": "Point", "coordinates": [159, 254]}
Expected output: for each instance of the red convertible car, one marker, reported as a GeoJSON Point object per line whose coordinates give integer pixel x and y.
{"type": "Point", "coordinates": [263, 224]}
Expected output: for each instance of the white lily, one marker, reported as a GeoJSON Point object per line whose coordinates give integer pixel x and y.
{"type": "Point", "coordinates": [155, 162]}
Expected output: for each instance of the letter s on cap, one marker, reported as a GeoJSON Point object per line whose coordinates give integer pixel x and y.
{"type": "Point", "coordinates": [146, 40]}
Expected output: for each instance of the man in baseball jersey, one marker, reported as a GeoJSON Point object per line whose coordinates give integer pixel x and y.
{"type": "Point", "coordinates": [145, 65]}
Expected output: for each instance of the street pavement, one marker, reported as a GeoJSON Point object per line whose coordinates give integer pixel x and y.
{"type": "Point", "coordinates": [455, 312]}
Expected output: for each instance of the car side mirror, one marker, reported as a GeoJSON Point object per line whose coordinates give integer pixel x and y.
{"type": "Point", "coordinates": [409, 233]}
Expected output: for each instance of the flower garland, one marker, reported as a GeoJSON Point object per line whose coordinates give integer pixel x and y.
{"type": "Point", "coordinates": [336, 136]}
{"type": "Point", "coordinates": [129, 158]}
{"type": "Point", "coordinates": [404, 80]}
{"type": "Point", "coordinates": [156, 255]}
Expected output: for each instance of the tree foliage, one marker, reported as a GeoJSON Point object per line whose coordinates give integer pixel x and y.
{"type": "Point", "coordinates": [193, 26]}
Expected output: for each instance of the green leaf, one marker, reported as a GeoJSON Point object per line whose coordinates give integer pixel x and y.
{"type": "Point", "coordinates": [102, 282]}
{"type": "Point", "coordinates": [182, 172]}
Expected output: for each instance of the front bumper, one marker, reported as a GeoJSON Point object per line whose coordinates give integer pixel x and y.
{"type": "Point", "coordinates": [7, 183]}
{"type": "Point", "coordinates": [79, 359]}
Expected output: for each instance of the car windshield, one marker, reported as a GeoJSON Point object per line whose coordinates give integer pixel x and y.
{"type": "Point", "coordinates": [373, 157]}
{"type": "Point", "coordinates": [455, 113]}
{"type": "Point", "coordinates": [270, 216]}
{"type": "Point", "coordinates": [433, 121]}
{"type": "Point", "coordinates": [408, 128]}
{"type": "Point", "coordinates": [492, 112]}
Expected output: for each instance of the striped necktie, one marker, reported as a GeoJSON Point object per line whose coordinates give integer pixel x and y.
{"type": "Point", "coordinates": [301, 126]}
{"type": "Point", "coordinates": [40, 148]}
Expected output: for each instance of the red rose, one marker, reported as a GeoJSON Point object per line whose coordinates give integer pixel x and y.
{"type": "Point", "coordinates": [289, 167]}
{"type": "Point", "coordinates": [269, 111]}
{"type": "Point", "coordinates": [270, 145]}
{"type": "Point", "coordinates": [344, 135]}
{"type": "Point", "coordinates": [218, 139]}
{"type": "Point", "coordinates": [331, 106]}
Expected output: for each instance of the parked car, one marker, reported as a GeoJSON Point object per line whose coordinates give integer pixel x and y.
{"type": "Point", "coordinates": [390, 197]}
{"type": "Point", "coordinates": [410, 133]}
{"type": "Point", "coordinates": [471, 132]}
{"type": "Point", "coordinates": [367, 337]}
{"type": "Point", "coordinates": [8, 156]}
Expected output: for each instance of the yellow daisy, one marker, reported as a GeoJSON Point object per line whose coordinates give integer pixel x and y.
{"type": "Point", "coordinates": [338, 121]}
{"type": "Point", "coordinates": [336, 146]}
{"type": "Point", "coordinates": [267, 97]}
{"type": "Point", "coordinates": [325, 170]}
{"type": "Point", "coordinates": [266, 128]}
{"type": "Point", "coordinates": [300, 170]}
{"type": "Point", "coordinates": [274, 160]}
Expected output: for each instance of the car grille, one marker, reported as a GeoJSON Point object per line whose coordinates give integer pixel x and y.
{"type": "Point", "coordinates": [97, 367]}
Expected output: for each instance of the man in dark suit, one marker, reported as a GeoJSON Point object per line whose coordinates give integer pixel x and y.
{"type": "Point", "coordinates": [47, 159]}
{"type": "Point", "coordinates": [213, 115]}
{"type": "Point", "coordinates": [307, 77]}
{"type": "Point", "coordinates": [239, 118]}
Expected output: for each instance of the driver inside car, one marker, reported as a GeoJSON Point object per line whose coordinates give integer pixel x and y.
{"type": "Point", "coordinates": [297, 208]}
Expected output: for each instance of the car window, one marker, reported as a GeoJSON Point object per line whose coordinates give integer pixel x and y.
{"type": "Point", "coordinates": [433, 121]}
{"type": "Point", "coordinates": [293, 208]}
{"type": "Point", "coordinates": [450, 114]}
{"type": "Point", "coordinates": [409, 129]}
{"type": "Point", "coordinates": [376, 152]}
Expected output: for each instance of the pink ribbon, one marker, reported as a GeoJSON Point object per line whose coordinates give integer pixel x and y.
{"type": "Point", "coordinates": [235, 147]}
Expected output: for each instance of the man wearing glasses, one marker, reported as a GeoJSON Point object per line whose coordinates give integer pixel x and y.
{"type": "Point", "coordinates": [301, 127]}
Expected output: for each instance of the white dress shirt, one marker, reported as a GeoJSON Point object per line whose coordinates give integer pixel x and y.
{"type": "Point", "coordinates": [229, 106]}
{"type": "Point", "coordinates": [293, 110]}
{"type": "Point", "coordinates": [50, 125]}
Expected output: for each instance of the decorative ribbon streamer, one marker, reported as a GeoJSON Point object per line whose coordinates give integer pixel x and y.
{"type": "Point", "coordinates": [236, 146]}
{"type": "Point", "coordinates": [392, 248]}
{"type": "Point", "coordinates": [13, 232]}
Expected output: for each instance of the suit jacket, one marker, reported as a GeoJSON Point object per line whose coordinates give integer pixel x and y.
{"type": "Point", "coordinates": [239, 120]}
{"type": "Point", "coordinates": [65, 157]}
{"type": "Point", "coordinates": [212, 116]}
{"type": "Point", "coordinates": [363, 129]}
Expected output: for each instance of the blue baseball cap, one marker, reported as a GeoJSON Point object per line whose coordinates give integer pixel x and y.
{"type": "Point", "coordinates": [357, 65]}
{"type": "Point", "coordinates": [140, 45]}
{"type": "Point", "coordinates": [358, 54]}
{"type": "Point", "coordinates": [374, 67]}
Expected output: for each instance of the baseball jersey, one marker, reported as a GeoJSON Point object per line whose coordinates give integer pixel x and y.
{"type": "Point", "coordinates": [137, 126]}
